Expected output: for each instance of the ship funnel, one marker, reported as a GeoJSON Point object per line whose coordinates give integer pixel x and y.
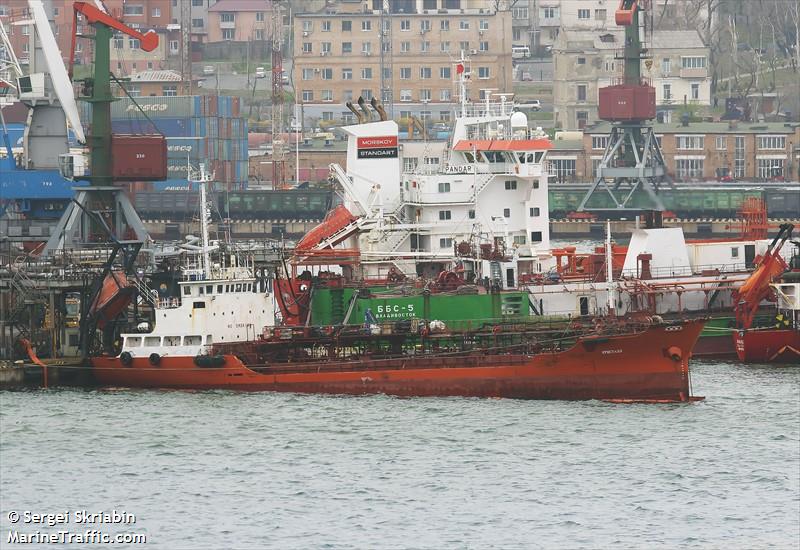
{"type": "Point", "coordinates": [379, 108]}
{"type": "Point", "coordinates": [359, 116]}
{"type": "Point", "coordinates": [363, 105]}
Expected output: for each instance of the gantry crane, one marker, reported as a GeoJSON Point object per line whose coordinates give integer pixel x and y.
{"type": "Point", "coordinates": [76, 227]}
{"type": "Point", "coordinates": [632, 160]}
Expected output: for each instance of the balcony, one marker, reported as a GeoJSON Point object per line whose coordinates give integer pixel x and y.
{"type": "Point", "coordinates": [550, 22]}
{"type": "Point", "coordinates": [227, 24]}
{"type": "Point", "coordinates": [701, 72]}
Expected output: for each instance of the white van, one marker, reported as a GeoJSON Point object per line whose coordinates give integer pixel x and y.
{"type": "Point", "coordinates": [520, 51]}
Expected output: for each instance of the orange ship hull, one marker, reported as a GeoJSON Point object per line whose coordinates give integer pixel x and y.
{"type": "Point", "coordinates": [768, 346]}
{"type": "Point", "coordinates": [649, 366]}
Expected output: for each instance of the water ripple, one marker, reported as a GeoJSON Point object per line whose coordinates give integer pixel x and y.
{"type": "Point", "coordinates": [259, 470]}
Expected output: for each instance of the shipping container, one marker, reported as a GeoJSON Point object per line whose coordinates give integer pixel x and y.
{"type": "Point", "coordinates": [139, 158]}
{"type": "Point", "coordinates": [169, 127]}
{"type": "Point", "coordinates": [156, 107]}
{"type": "Point", "coordinates": [186, 147]}
{"type": "Point", "coordinates": [623, 102]}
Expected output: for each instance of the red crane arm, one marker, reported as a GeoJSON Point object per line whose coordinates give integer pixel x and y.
{"type": "Point", "coordinates": [624, 14]}
{"type": "Point", "coordinates": [148, 41]}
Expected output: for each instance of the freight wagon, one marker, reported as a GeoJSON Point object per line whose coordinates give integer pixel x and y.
{"type": "Point", "coordinates": [305, 204]}
{"type": "Point", "coordinates": [686, 202]}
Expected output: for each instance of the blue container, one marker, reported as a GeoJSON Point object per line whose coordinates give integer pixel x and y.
{"type": "Point", "coordinates": [175, 184]}
{"type": "Point", "coordinates": [182, 147]}
{"type": "Point", "coordinates": [169, 127]}
{"type": "Point", "coordinates": [35, 184]}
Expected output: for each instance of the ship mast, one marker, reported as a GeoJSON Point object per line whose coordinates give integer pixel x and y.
{"type": "Point", "coordinates": [205, 217]}
{"type": "Point", "coordinates": [609, 271]}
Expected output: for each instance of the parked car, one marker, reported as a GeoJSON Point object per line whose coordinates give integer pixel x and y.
{"type": "Point", "coordinates": [208, 70]}
{"type": "Point", "coordinates": [261, 72]}
{"type": "Point", "coordinates": [530, 105]}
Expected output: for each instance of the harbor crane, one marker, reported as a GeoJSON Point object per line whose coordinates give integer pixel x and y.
{"type": "Point", "coordinates": [633, 160]}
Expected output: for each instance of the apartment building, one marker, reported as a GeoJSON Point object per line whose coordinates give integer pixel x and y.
{"type": "Point", "coordinates": [199, 17]}
{"type": "Point", "coordinates": [239, 20]}
{"type": "Point", "coordinates": [551, 16]}
{"type": "Point", "coordinates": [339, 55]}
{"type": "Point", "coordinates": [695, 152]}
{"type": "Point", "coordinates": [585, 61]}
{"type": "Point", "coordinates": [126, 57]}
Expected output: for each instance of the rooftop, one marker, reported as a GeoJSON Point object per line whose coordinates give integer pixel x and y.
{"type": "Point", "coordinates": [607, 39]}
{"type": "Point", "coordinates": [156, 76]}
{"type": "Point", "coordinates": [708, 128]}
{"type": "Point", "coordinates": [241, 5]}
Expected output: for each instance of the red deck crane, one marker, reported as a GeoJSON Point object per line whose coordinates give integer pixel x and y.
{"type": "Point", "coordinates": [756, 288]}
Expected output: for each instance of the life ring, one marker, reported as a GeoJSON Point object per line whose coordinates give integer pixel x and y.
{"type": "Point", "coordinates": [126, 358]}
{"type": "Point", "coordinates": [155, 359]}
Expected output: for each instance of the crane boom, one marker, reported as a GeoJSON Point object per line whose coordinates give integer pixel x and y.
{"type": "Point", "coordinates": [58, 73]}
{"type": "Point", "coordinates": [148, 40]}
{"type": "Point", "coordinates": [756, 288]}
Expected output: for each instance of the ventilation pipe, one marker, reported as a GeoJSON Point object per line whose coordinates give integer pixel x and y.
{"type": "Point", "coordinates": [359, 116]}
{"type": "Point", "coordinates": [379, 108]}
{"type": "Point", "coordinates": [363, 105]}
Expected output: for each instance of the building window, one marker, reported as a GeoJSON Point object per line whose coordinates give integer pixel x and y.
{"type": "Point", "coordinates": [366, 94]}
{"type": "Point", "coordinates": [734, 252]}
{"type": "Point", "coordinates": [307, 47]}
{"type": "Point", "coordinates": [772, 142]}
{"type": "Point", "coordinates": [133, 43]}
{"type": "Point", "coordinates": [519, 239]}
{"type": "Point", "coordinates": [366, 25]}
{"type": "Point", "coordinates": [227, 17]}
{"type": "Point", "coordinates": [483, 46]}
{"type": "Point", "coordinates": [599, 142]}
{"type": "Point", "coordinates": [581, 92]}
{"type": "Point", "coordinates": [444, 187]}
{"type": "Point", "coordinates": [689, 142]}
{"type": "Point", "coordinates": [425, 95]}
{"type": "Point", "coordinates": [425, 25]}
{"type": "Point", "coordinates": [174, 46]}
{"type": "Point", "coordinates": [366, 48]}
{"type": "Point", "coordinates": [171, 91]}
{"type": "Point", "coordinates": [327, 95]}
{"type": "Point", "coordinates": [446, 242]}
{"type": "Point", "coordinates": [308, 95]}
{"type": "Point", "coordinates": [738, 157]}
{"type": "Point", "coordinates": [228, 34]}
{"type": "Point", "coordinates": [424, 73]}
{"type": "Point", "coordinates": [444, 215]}
{"type": "Point", "coordinates": [405, 24]}
{"type": "Point", "coordinates": [444, 73]}
{"type": "Point", "coordinates": [347, 74]}
{"type": "Point", "coordinates": [347, 47]}
{"type": "Point", "coordinates": [483, 72]}
{"type": "Point", "coordinates": [582, 118]}
{"type": "Point", "coordinates": [534, 212]}
{"type": "Point", "coordinates": [564, 169]}
{"type": "Point", "coordinates": [197, 23]}
{"type": "Point", "coordinates": [405, 95]}
{"type": "Point", "coordinates": [405, 73]}
{"type": "Point", "coordinates": [196, 3]}
{"type": "Point", "coordinates": [308, 74]}
{"type": "Point", "coordinates": [584, 14]}
{"type": "Point", "coordinates": [581, 61]}
{"type": "Point", "coordinates": [463, 25]}
{"type": "Point", "coordinates": [549, 13]}
{"type": "Point", "coordinates": [689, 168]}
{"type": "Point", "coordinates": [666, 66]}
{"type": "Point", "coordinates": [130, 9]}
{"type": "Point", "coordinates": [366, 73]}
{"type": "Point", "coordinates": [156, 12]}
{"type": "Point", "coordinates": [536, 236]}
{"type": "Point", "coordinates": [721, 143]}
{"type": "Point", "coordinates": [347, 26]}
{"type": "Point", "coordinates": [519, 13]}
{"type": "Point", "coordinates": [444, 95]}
{"type": "Point", "coordinates": [405, 47]}
{"type": "Point", "coordinates": [511, 185]}
{"type": "Point", "coordinates": [326, 48]}
{"type": "Point", "coordinates": [693, 62]}
{"type": "Point", "coordinates": [308, 26]}
{"type": "Point", "coordinates": [506, 212]}
{"type": "Point", "coordinates": [260, 16]}
{"type": "Point", "coordinates": [599, 15]}
{"type": "Point", "coordinates": [327, 74]}
{"type": "Point", "coordinates": [666, 89]}
{"type": "Point", "coordinates": [444, 25]}
{"type": "Point", "coordinates": [695, 91]}
{"type": "Point", "coordinates": [326, 26]}
{"type": "Point", "coordinates": [444, 47]}
{"type": "Point", "coordinates": [119, 42]}
{"type": "Point", "coordinates": [770, 168]}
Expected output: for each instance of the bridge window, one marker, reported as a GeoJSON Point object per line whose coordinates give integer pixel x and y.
{"type": "Point", "coordinates": [152, 341]}
{"type": "Point", "coordinates": [172, 340]}
{"type": "Point", "coordinates": [187, 291]}
{"type": "Point", "coordinates": [199, 305]}
{"type": "Point", "coordinates": [133, 341]}
{"type": "Point", "coordinates": [192, 340]}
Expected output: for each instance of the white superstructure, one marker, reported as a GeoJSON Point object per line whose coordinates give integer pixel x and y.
{"type": "Point", "coordinates": [218, 303]}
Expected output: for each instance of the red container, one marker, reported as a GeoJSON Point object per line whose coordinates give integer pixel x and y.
{"type": "Point", "coordinates": [622, 103]}
{"type": "Point", "coordinates": [139, 158]}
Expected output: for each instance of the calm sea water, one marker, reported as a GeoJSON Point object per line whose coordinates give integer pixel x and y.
{"type": "Point", "coordinates": [228, 470]}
